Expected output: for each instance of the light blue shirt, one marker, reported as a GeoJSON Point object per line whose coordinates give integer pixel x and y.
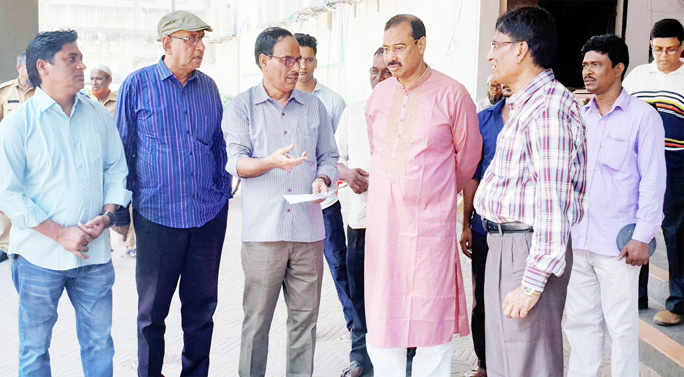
{"type": "Point", "coordinates": [334, 105]}
{"type": "Point", "coordinates": [61, 168]}
{"type": "Point", "coordinates": [254, 125]}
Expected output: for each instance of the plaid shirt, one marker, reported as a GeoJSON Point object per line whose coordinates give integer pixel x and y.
{"type": "Point", "coordinates": [538, 173]}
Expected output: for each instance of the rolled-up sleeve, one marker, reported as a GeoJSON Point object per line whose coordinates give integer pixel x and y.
{"type": "Point", "coordinates": [326, 148]}
{"type": "Point", "coordinates": [115, 168]}
{"type": "Point", "coordinates": [14, 202]}
{"type": "Point", "coordinates": [235, 126]}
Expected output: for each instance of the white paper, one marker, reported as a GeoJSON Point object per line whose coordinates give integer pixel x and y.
{"type": "Point", "coordinates": [304, 198]}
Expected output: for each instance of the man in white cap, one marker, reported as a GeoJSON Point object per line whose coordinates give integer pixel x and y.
{"type": "Point", "coordinates": [100, 79]}
{"type": "Point", "coordinates": [169, 118]}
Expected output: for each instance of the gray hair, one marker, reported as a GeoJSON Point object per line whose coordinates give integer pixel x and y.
{"type": "Point", "coordinates": [21, 59]}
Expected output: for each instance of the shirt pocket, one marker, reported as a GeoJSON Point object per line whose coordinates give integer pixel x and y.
{"type": "Point", "coordinates": [8, 107]}
{"type": "Point", "coordinates": [614, 153]}
{"type": "Point", "coordinates": [203, 130]}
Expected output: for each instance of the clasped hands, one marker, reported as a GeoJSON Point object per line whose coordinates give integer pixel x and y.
{"type": "Point", "coordinates": [281, 160]}
{"type": "Point", "coordinates": [76, 238]}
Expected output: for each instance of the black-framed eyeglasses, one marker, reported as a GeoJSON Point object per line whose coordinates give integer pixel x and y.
{"type": "Point", "coordinates": [496, 45]}
{"type": "Point", "coordinates": [288, 61]}
{"type": "Point", "coordinates": [397, 49]}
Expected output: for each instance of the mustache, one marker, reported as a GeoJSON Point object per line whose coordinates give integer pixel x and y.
{"type": "Point", "coordinates": [293, 76]}
{"type": "Point", "coordinates": [394, 63]}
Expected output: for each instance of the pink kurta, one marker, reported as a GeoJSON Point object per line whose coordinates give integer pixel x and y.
{"type": "Point", "coordinates": [423, 141]}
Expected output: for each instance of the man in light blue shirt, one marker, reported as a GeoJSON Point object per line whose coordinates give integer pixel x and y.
{"type": "Point", "coordinates": [280, 142]}
{"type": "Point", "coordinates": [64, 174]}
{"type": "Point", "coordinates": [334, 244]}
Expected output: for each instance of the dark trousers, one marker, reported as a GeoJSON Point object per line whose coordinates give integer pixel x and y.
{"type": "Point", "coordinates": [335, 251]}
{"type": "Point", "coordinates": [673, 232]}
{"type": "Point", "coordinates": [479, 260]}
{"type": "Point", "coordinates": [165, 256]}
{"type": "Point", "coordinates": [356, 244]}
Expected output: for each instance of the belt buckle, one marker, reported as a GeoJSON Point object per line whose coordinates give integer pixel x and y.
{"type": "Point", "coordinates": [500, 229]}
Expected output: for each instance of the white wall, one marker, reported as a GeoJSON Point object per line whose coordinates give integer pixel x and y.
{"type": "Point", "coordinates": [348, 37]}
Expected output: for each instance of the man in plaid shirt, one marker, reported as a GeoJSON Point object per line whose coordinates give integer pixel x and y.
{"type": "Point", "coordinates": [529, 197]}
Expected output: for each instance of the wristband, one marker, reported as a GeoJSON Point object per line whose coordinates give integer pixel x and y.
{"type": "Point", "coordinates": [110, 215]}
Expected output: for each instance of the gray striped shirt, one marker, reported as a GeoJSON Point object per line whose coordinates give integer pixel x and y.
{"type": "Point", "coordinates": [254, 125]}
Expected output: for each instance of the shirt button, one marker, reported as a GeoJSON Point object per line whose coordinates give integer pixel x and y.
{"type": "Point", "coordinates": [190, 153]}
{"type": "Point", "coordinates": [283, 114]}
{"type": "Point", "coordinates": [288, 210]}
{"type": "Point", "coordinates": [186, 112]}
{"type": "Point", "coordinates": [289, 190]}
{"type": "Point", "coordinates": [188, 132]}
{"type": "Point", "coordinates": [192, 174]}
{"type": "Point", "coordinates": [286, 132]}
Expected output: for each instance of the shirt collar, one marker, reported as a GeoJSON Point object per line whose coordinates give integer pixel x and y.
{"type": "Point", "coordinates": [262, 96]}
{"type": "Point", "coordinates": [621, 102]}
{"type": "Point", "coordinates": [163, 72]}
{"type": "Point", "coordinates": [45, 101]}
{"type": "Point", "coordinates": [497, 107]}
{"type": "Point", "coordinates": [537, 83]}
{"type": "Point", "coordinates": [421, 80]}
{"type": "Point", "coordinates": [318, 87]}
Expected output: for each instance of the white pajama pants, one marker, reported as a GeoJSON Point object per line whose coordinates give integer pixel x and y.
{"type": "Point", "coordinates": [602, 295]}
{"type": "Point", "coordinates": [429, 361]}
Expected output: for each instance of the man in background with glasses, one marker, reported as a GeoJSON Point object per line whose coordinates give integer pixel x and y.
{"type": "Point", "coordinates": [494, 95]}
{"type": "Point", "coordinates": [169, 118]}
{"type": "Point", "coordinates": [334, 246]}
{"type": "Point", "coordinates": [425, 146]}
{"type": "Point", "coordinates": [661, 84]}
{"type": "Point", "coordinates": [280, 142]}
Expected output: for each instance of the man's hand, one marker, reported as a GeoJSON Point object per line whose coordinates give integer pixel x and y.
{"type": "Point", "coordinates": [355, 178]}
{"type": "Point", "coordinates": [318, 186]}
{"type": "Point", "coordinates": [467, 241]}
{"type": "Point", "coordinates": [281, 160]}
{"type": "Point", "coordinates": [122, 230]}
{"type": "Point", "coordinates": [517, 304]}
{"type": "Point", "coordinates": [96, 226]}
{"type": "Point", "coordinates": [75, 240]}
{"type": "Point", "coordinates": [636, 253]}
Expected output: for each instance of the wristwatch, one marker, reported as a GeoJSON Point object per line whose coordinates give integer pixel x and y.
{"type": "Point", "coordinates": [111, 217]}
{"type": "Point", "coordinates": [530, 292]}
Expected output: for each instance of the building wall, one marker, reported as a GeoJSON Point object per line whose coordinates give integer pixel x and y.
{"type": "Point", "coordinates": [18, 25]}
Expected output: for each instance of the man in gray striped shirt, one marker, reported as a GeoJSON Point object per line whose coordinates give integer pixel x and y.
{"type": "Point", "coordinates": [280, 142]}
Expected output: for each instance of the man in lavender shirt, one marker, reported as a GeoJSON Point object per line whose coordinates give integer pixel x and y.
{"type": "Point", "coordinates": [625, 185]}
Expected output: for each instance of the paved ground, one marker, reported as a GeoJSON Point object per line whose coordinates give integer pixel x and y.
{"type": "Point", "coordinates": [331, 350]}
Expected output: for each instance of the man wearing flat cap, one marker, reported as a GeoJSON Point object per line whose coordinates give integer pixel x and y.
{"type": "Point", "coordinates": [169, 117]}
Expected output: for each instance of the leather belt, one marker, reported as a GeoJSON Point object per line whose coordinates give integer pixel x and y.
{"type": "Point", "coordinates": [503, 228]}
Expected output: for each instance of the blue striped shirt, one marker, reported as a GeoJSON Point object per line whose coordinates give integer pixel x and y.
{"type": "Point", "coordinates": [174, 147]}
{"type": "Point", "coordinates": [255, 126]}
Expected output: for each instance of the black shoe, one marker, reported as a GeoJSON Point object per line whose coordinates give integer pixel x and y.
{"type": "Point", "coordinates": [354, 369]}
{"type": "Point", "coordinates": [3, 256]}
{"type": "Point", "coordinates": [643, 304]}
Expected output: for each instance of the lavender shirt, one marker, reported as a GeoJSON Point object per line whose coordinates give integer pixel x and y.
{"type": "Point", "coordinates": [625, 175]}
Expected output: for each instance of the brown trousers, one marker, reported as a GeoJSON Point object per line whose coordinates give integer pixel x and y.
{"type": "Point", "coordinates": [297, 268]}
{"type": "Point", "coordinates": [530, 346]}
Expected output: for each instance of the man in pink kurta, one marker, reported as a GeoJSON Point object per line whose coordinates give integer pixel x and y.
{"type": "Point", "coordinates": [425, 143]}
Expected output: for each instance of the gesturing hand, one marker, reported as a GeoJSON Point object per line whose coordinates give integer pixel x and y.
{"type": "Point", "coordinates": [517, 304]}
{"type": "Point", "coordinates": [357, 179]}
{"type": "Point", "coordinates": [281, 160]}
{"type": "Point", "coordinates": [75, 240]}
{"type": "Point", "coordinates": [636, 253]}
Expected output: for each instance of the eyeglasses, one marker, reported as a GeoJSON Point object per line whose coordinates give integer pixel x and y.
{"type": "Point", "coordinates": [496, 45]}
{"type": "Point", "coordinates": [192, 41]}
{"type": "Point", "coordinates": [287, 60]}
{"type": "Point", "coordinates": [669, 50]}
{"type": "Point", "coordinates": [397, 49]}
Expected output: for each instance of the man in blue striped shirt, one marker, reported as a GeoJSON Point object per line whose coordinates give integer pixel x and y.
{"type": "Point", "coordinates": [169, 117]}
{"type": "Point", "coordinates": [280, 141]}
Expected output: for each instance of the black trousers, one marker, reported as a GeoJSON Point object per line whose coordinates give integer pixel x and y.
{"type": "Point", "coordinates": [356, 246]}
{"type": "Point", "coordinates": [477, 323]}
{"type": "Point", "coordinates": [166, 255]}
